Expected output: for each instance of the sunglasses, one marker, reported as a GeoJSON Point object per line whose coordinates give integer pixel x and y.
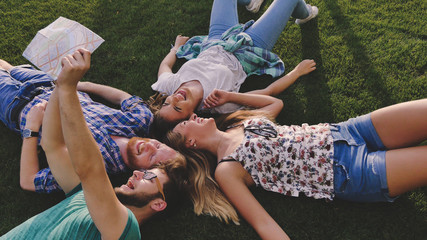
{"type": "Point", "coordinates": [150, 176]}
{"type": "Point", "coordinates": [267, 131]}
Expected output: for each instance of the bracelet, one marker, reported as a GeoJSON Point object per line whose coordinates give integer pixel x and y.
{"type": "Point", "coordinates": [173, 50]}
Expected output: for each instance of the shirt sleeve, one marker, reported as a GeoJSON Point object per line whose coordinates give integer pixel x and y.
{"type": "Point", "coordinates": [165, 83]}
{"type": "Point", "coordinates": [44, 182]}
{"type": "Point", "coordinates": [137, 111]}
{"type": "Point", "coordinates": [131, 230]}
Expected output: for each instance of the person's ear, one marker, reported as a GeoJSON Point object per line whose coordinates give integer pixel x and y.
{"type": "Point", "coordinates": [158, 205]}
{"type": "Point", "coordinates": [191, 143]}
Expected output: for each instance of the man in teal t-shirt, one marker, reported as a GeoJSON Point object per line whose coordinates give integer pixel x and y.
{"type": "Point", "coordinates": [92, 209]}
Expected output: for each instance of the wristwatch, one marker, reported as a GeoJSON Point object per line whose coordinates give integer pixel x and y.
{"type": "Point", "coordinates": [27, 133]}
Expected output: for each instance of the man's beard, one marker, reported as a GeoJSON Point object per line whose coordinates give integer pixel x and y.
{"type": "Point", "coordinates": [136, 199]}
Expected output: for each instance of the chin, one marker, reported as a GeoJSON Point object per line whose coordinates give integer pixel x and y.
{"type": "Point", "coordinates": [122, 189]}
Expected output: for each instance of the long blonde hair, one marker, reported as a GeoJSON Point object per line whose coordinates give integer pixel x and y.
{"type": "Point", "coordinates": [205, 194]}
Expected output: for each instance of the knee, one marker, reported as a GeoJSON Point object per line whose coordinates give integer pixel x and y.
{"type": "Point", "coordinates": [5, 65]}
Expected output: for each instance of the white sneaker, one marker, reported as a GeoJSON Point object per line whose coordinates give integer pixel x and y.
{"type": "Point", "coordinates": [312, 13]}
{"type": "Point", "coordinates": [254, 6]}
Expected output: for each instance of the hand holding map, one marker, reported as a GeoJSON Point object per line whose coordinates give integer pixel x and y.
{"type": "Point", "coordinates": [58, 39]}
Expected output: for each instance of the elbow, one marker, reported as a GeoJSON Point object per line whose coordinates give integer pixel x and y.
{"type": "Point", "coordinates": [122, 98]}
{"type": "Point", "coordinates": [280, 104]}
{"type": "Point", "coordinates": [84, 169]}
{"type": "Point", "coordinates": [48, 146]}
{"type": "Point", "coordinates": [27, 184]}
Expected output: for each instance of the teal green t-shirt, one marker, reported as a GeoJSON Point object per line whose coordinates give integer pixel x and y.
{"type": "Point", "coordinates": [69, 219]}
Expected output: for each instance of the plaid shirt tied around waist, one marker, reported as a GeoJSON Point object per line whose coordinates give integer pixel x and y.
{"type": "Point", "coordinates": [255, 60]}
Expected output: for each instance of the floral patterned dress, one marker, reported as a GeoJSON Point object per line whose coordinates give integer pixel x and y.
{"type": "Point", "coordinates": [288, 159]}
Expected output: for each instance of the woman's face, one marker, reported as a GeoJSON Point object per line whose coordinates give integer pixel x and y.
{"type": "Point", "coordinates": [196, 128]}
{"type": "Point", "coordinates": [178, 106]}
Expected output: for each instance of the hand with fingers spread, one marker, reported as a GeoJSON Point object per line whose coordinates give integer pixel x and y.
{"type": "Point", "coordinates": [35, 116]}
{"type": "Point", "coordinates": [216, 98]}
{"type": "Point", "coordinates": [74, 67]}
{"type": "Point", "coordinates": [305, 67]}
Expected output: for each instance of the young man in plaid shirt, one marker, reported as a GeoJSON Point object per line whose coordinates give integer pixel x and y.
{"type": "Point", "coordinates": [92, 208]}
{"type": "Point", "coordinates": [116, 131]}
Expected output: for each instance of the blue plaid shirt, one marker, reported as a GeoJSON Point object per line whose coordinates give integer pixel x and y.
{"type": "Point", "coordinates": [133, 119]}
{"type": "Point", "coordinates": [255, 60]}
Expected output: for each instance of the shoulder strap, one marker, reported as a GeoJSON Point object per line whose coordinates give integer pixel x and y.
{"type": "Point", "coordinates": [227, 160]}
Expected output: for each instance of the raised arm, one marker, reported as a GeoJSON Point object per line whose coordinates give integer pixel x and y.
{"type": "Point", "coordinates": [111, 94]}
{"type": "Point", "coordinates": [233, 181]}
{"type": "Point", "coordinates": [54, 146]}
{"type": "Point", "coordinates": [170, 59]}
{"type": "Point", "coordinates": [266, 103]}
{"type": "Point", "coordinates": [29, 159]}
{"type": "Point", "coordinates": [108, 214]}
{"type": "Point", "coordinates": [281, 84]}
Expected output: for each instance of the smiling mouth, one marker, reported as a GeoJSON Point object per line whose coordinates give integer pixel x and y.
{"type": "Point", "coordinates": [182, 93]}
{"type": "Point", "coordinates": [130, 185]}
{"type": "Point", "coordinates": [139, 149]}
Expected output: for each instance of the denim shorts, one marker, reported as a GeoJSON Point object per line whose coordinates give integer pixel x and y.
{"type": "Point", "coordinates": [359, 161]}
{"type": "Point", "coordinates": [18, 87]}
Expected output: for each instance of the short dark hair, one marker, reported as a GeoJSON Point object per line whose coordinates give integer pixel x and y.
{"type": "Point", "coordinates": [176, 189]}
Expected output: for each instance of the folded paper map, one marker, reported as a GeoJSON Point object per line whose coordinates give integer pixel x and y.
{"type": "Point", "coordinates": [60, 38]}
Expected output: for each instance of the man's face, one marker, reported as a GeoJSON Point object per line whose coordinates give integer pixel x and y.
{"type": "Point", "coordinates": [138, 191]}
{"type": "Point", "coordinates": [145, 153]}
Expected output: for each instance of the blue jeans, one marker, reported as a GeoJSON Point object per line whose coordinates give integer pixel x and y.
{"type": "Point", "coordinates": [266, 30]}
{"type": "Point", "coordinates": [17, 88]}
{"type": "Point", "coordinates": [359, 161]}
{"type": "Point", "coordinates": [243, 2]}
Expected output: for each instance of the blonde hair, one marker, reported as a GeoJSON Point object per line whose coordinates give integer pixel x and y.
{"type": "Point", "coordinates": [205, 194]}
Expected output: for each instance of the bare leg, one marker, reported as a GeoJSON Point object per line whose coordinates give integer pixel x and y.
{"type": "Point", "coordinates": [5, 65]}
{"type": "Point", "coordinates": [401, 125]}
{"type": "Point", "coordinates": [406, 169]}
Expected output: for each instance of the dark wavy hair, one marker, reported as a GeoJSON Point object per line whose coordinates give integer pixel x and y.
{"type": "Point", "coordinates": [160, 126]}
{"type": "Point", "coordinates": [176, 190]}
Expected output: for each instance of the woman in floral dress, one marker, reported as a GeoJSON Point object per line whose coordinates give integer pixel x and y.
{"type": "Point", "coordinates": [369, 158]}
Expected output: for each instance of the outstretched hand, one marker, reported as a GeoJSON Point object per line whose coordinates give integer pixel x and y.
{"type": "Point", "coordinates": [74, 67]}
{"type": "Point", "coordinates": [216, 98]}
{"type": "Point", "coordinates": [35, 116]}
{"type": "Point", "coordinates": [305, 67]}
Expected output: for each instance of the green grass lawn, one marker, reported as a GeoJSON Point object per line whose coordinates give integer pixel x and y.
{"type": "Point", "coordinates": [369, 54]}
